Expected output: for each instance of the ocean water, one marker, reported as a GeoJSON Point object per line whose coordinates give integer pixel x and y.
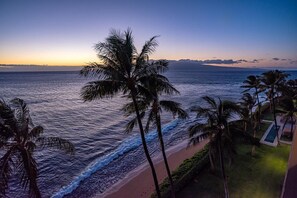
{"type": "Point", "coordinates": [104, 152]}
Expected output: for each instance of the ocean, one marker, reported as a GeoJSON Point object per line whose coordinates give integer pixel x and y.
{"type": "Point", "coordinates": [104, 152]}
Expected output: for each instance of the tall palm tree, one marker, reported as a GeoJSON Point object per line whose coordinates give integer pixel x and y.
{"type": "Point", "coordinates": [289, 106]}
{"type": "Point", "coordinates": [255, 127]}
{"type": "Point", "coordinates": [271, 81]}
{"type": "Point", "coordinates": [19, 138]}
{"type": "Point", "coordinates": [216, 128]}
{"type": "Point", "coordinates": [254, 82]}
{"type": "Point", "coordinates": [123, 70]}
{"type": "Point", "coordinates": [157, 86]}
{"type": "Point", "coordinates": [248, 101]}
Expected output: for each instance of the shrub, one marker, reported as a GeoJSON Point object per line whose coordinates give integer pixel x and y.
{"type": "Point", "coordinates": [185, 172]}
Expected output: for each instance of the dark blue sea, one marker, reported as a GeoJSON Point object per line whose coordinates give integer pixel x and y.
{"type": "Point", "coordinates": [104, 152]}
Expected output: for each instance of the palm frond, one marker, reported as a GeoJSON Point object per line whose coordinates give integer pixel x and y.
{"type": "Point", "coordinates": [211, 101]}
{"type": "Point", "coordinates": [131, 124]}
{"type": "Point", "coordinates": [28, 172]}
{"type": "Point", "coordinates": [198, 138]}
{"type": "Point", "coordinates": [148, 48]}
{"type": "Point", "coordinates": [174, 108]}
{"type": "Point", "coordinates": [129, 108]}
{"type": "Point", "coordinates": [197, 128]}
{"type": "Point", "coordinates": [93, 69]}
{"type": "Point", "coordinates": [22, 116]}
{"type": "Point", "coordinates": [7, 120]}
{"type": "Point", "coordinates": [160, 66]}
{"type": "Point", "coordinates": [56, 142]}
{"type": "Point", "coordinates": [6, 169]}
{"type": "Point", "coordinates": [35, 132]}
{"type": "Point", "coordinates": [100, 89]}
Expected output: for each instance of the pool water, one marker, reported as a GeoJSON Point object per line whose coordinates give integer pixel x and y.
{"type": "Point", "coordinates": [272, 134]}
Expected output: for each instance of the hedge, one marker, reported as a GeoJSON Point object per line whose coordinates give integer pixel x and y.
{"type": "Point", "coordinates": [185, 172]}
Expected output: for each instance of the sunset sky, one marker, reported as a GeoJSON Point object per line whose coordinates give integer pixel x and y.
{"type": "Point", "coordinates": [63, 32]}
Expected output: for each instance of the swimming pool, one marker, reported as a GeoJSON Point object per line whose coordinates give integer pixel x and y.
{"type": "Point", "coordinates": [272, 134]}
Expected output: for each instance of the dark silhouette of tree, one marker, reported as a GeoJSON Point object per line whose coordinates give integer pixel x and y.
{"type": "Point", "coordinates": [153, 106]}
{"type": "Point", "coordinates": [216, 128]}
{"type": "Point", "coordinates": [248, 102]}
{"type": "Point", "coordinates": [19, 138]}
{"type": "Point", "coordinates": [271, 81]}
{"type": "Point", "coordinates": [289, 89]}
{"type": "Point", "coordinates": [123, 70]}
{"type": "Point", "coordinates": [289, 106]}
{"type": "Point", "coordinates": [254, 82]}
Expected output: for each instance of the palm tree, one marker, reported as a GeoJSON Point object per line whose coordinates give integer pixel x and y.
{"type": "Point", "coordinates": [289, 89]}
{"type": "Point", "coordinates": [123, 70]}
{"type": "Point", "coordinates": [271, 81]}
{"type": "Point", "coordinates": [19, 139]}
{"type": "Point", "coordinates": [157, 86]}
{"type": "Point", "coordinates": [248, 102]}
{"type": "Point", "coordinates": [254, 82]}
{"type": "Point", "coordinates": [216, 128]}
{"type": "Point", "coordinates": [289, 106]}
{"type": "Point", "coordinates": [256, 124]}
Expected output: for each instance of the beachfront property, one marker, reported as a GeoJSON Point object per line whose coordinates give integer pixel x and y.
{"type": "Point", "coordinates": [285, 131]}
{"type": "Point", "coordinates": [148, 99]}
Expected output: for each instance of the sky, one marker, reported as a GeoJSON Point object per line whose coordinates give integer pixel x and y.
{"type": "Point", "coordinates": [251, 33]}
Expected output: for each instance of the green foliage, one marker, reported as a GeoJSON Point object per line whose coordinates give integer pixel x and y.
{"type": "Point", "coordinates": [19, 138]}
{"type": "Point", "coordinates": [256, 176]}
{"type": "Point", "coordinates": [185, 172]}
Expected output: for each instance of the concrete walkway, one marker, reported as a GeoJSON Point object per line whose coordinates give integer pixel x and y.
{"type": "Point", "coordinates": [290, 184]}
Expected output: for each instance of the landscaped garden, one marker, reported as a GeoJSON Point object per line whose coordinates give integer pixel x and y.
{"type": "Point", "coordinates": [260, 175]}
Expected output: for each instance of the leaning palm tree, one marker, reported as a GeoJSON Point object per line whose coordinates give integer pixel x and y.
{"type": "Point", "coordinates": [216, 127]}
{"type": "Point", "coordinates": [289, 106]}
{"type": "Point", "coordinates": [19, 138]}
{"type": "Point", "coordinates": [254, 82]}
{"type": "Point", "coordinates": [154, 106]}
{"type": "Point", "coordinates": [123, 70]}
{"type": "Point", "coordinates": [271, 81]}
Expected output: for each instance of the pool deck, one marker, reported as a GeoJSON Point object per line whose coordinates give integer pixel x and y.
{"type": "Point", "coordinates": [274, 143]}
{"type": "Point", "coordinates": [279, 133]}
{"type": "Point", "coordinates": [290, 183]}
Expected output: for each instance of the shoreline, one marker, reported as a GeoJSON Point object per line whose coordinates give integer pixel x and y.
{"type": "Point", "coordinates": [139, 182]}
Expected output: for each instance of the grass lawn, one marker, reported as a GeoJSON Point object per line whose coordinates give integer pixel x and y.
{"type": "Point", "coordinates": [268, 116]}
{"type": "Point", "coordinates": [258, 176]}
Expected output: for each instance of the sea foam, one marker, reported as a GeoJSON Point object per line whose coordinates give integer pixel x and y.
{"type": "Point", "coordinates": [126, 146]}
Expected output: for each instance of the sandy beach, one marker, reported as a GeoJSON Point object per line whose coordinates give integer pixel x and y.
{"type": "Point", "coordinates": [139, 183]}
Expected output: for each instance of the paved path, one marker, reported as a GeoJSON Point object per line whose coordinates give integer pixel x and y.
{"type": "Point", "coordinates": [290, 187]}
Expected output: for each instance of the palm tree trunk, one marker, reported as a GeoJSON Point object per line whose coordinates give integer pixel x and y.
{"type": "Point", "coordinates": [212, 166]}
{"type": "Point", "coordinates": [223, 167]}
{"type": "Point", "coordinates": [145, 146]}
{"type": "Point", "coordinates": [254, 147]}
{"type": "Point", "coordinates": [292, 124]}
{"type": "Point", "coordinates": [259, 105]}
{"type": "Point", "coordinates": [274, 117]}
{"type": "Point", "coordinates": [251, 112]}
{"type": "Point", "coordinates": [159, 129]}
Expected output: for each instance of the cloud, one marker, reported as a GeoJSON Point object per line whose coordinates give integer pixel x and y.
{"type": "Point", "coordinates": [283, 59]}
{"type": "Point", "coordinates": [276, 59]}
{"type": "Point", "coordinates": [255, 61]}
{"type": "Point", "coordinates": [220, 61]}
{"type": "Point", "coordinates": [242, 60]}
